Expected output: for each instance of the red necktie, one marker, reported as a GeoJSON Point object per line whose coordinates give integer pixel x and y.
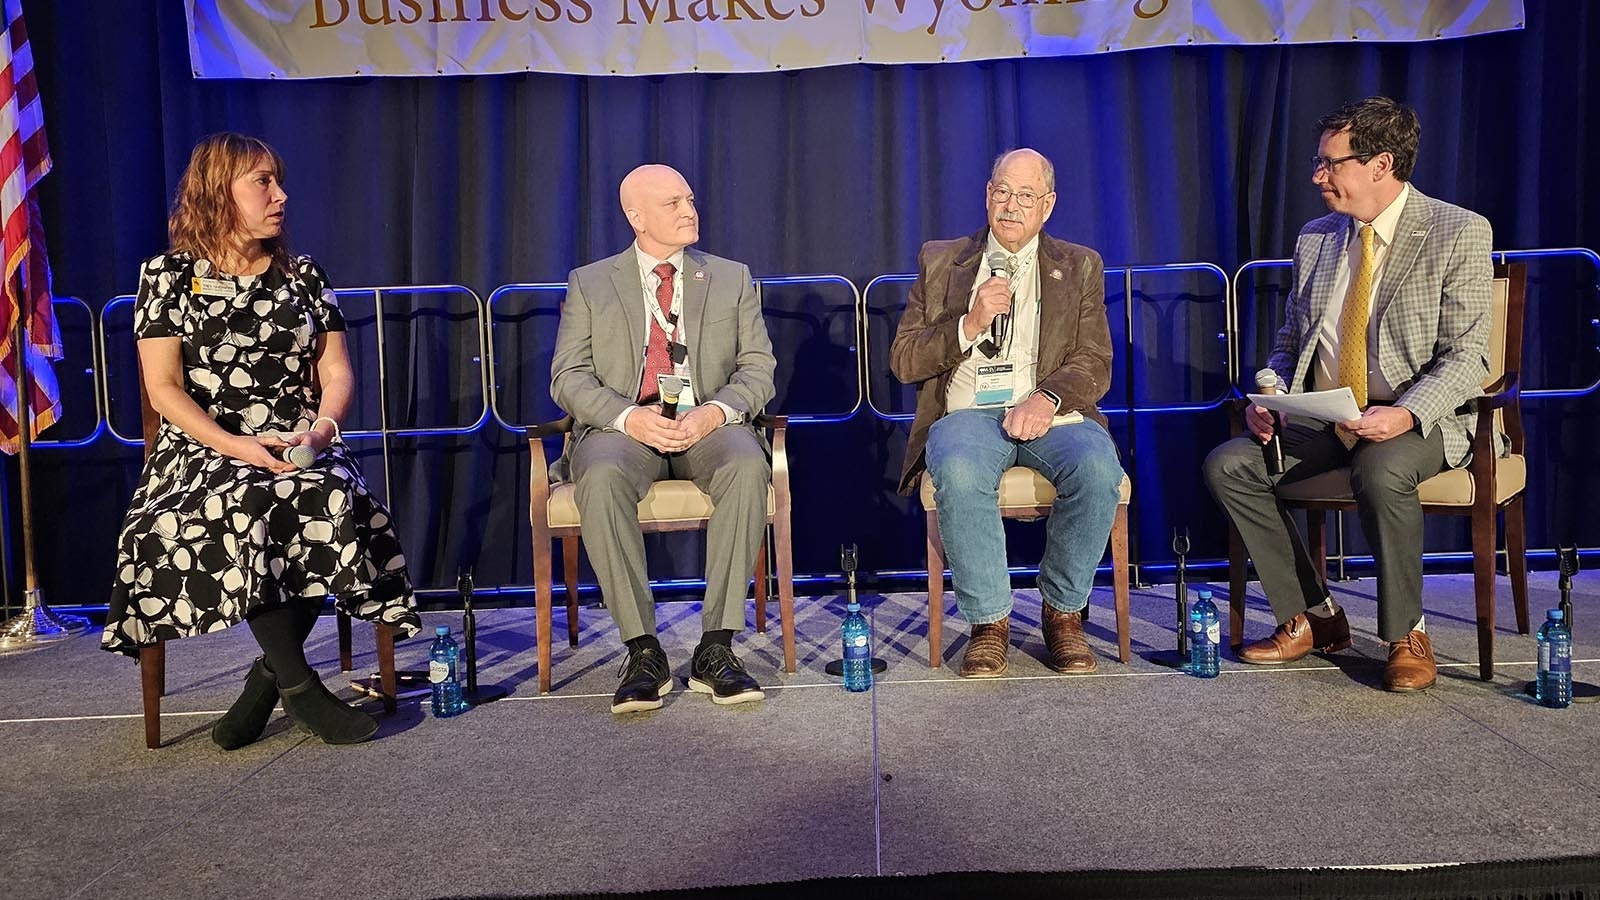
{"type": "Point", "coordinates": [657, 358]}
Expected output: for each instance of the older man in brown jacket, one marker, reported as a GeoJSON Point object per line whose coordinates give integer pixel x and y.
{"type": "Point", "coordinates": [1005, 336]}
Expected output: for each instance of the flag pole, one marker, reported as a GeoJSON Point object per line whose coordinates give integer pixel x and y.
{"type": "Point", "coordinates": [36, 625]}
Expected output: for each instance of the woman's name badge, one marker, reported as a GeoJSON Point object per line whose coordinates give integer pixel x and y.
{"type": "Point", "coordinates": [994, 386]}
{"type": "Point", "coordinates": [212, 287]}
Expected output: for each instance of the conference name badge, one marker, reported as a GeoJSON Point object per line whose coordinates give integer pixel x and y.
{"type": "Point", "coordinates": [994, 384]}
{"type": "Point", "coordinates": [211, 287]}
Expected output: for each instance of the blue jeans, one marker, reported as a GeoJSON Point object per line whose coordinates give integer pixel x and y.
{"type": "Point", "coordinates": [968, 451]}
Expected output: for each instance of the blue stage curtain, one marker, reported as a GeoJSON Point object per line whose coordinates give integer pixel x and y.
{"type": "Point", "coordinates": [1161, 155]}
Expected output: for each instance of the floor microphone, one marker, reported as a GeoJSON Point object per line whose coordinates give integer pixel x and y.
{"type": "Point", "coordinates": [671, 389]}
{"type": "Point", "coordinates": [1272, 450]}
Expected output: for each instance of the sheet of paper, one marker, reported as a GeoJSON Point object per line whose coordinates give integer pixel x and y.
{"type": "Point", "coordinates": [1337, 405]}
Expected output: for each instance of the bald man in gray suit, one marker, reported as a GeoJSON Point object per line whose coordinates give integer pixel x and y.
{"type": "Point", "coordinates": [698, 320]}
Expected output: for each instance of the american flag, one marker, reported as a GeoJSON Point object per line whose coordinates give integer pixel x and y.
{"type": "Point", "coordinates": [24, 159]}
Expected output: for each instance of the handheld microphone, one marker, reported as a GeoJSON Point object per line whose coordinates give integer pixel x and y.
{"type": "Point", "coordinates": [1272, 450]}
{"type": "Point", "coordinates": [1002, 321]}
{"type": "Point", "coordinates": [1568, 565]}
{"type": "Point", "coordinates": [671, 389]}
{"type": "Point", "coordinates": [298, 455]}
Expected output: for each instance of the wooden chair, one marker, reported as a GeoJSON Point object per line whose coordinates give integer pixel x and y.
{"type": "Point", "coordinates": [1490, 484]}
{"type": "Point", "coordinates": [1024, 494]}
{"type": "Point", "coordinates": [670, 505]}
{"type": "Point", "coordinates": [153, 657]}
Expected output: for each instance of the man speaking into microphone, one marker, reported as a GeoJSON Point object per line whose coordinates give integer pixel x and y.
{"type": "Point", "coordinates": [663, 320]}
{"type": "Point", "coordinates": [1005, 335]}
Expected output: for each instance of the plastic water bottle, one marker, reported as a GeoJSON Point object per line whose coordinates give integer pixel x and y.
{"type": "Point", "coordinates": [1205, 633]}
{"type": "Point", "coordinates": [442, 658]}
{"type": "Point", "coordinates": [1553, 685]}
{"type": "Point", "coordinates": [857, 650]}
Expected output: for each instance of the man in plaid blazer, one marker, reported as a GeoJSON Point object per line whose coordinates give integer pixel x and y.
{"type": "Point", "coordinates": [1390, 297]}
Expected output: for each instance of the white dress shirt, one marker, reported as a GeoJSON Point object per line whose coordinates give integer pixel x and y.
{"type": "Point", "coordinates": [648, 282]}
{"type": "Point", "coordinates": [1022, 341]}
{"type": "Point", "coordinates": [1325, 372]}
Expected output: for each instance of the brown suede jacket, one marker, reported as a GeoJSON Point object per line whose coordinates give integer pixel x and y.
{"type": "Point", "coordinates": [1074, 359]}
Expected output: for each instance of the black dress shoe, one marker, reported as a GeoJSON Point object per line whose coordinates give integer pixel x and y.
{"type": "Point", "coordinates": [716, 671]}
{"type": "Point", "coordinates": [645, 680]}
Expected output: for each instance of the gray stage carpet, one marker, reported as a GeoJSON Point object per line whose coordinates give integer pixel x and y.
{"type": "Point", "coordinates": [1135, 767]}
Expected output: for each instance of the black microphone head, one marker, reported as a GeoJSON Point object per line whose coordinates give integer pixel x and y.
{"type": "Point", "coordinates": [1568, 560]}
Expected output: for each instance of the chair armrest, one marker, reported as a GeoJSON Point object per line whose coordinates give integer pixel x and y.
{"type": "Point", "coordinates": [1508, 398]}
{"type": "Point", "coordinates": [780, 456]}
{"type": "Point", "coordinates": [1509, 394]}
{"type": "Point", "coordinates": [1235, 407]}
{"type": "Point", "coordinates": [562, 425]}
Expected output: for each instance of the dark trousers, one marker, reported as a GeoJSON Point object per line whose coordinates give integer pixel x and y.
{"type": "Point", "coordinates": [1384, 478]}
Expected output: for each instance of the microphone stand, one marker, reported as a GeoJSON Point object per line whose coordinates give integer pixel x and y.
{"type": "Point", "coordinates": [1567, 565]}
{"type": "Point", "coordinates": [1179, 658]}
{"type": "Point", "coordinates": [469, 647]}
{"type": "Point", "coordinates": [847, 561]}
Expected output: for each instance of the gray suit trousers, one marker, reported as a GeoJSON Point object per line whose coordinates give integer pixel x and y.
{"type": "Point", "coordinates": [612, 473]}
{"type": "Point", "coordinates": [1384, 477]}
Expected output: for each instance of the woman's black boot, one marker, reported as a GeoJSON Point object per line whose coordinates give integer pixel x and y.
{"type": "Point", "coordinates": [311, 704]}
{"type": "Point", "coordinates": [247, 718]}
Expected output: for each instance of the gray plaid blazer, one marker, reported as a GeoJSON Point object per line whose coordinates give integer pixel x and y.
{"type": "Point", "coordinates": [1431, 314]}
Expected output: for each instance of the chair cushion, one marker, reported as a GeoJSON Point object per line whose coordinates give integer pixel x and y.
{"type": "Point", "coordinates": [1021, 488]}
{"type": "Point", "coordinates": [666, 501]}
{"type": "Point", "coordinates": [1452, 487]}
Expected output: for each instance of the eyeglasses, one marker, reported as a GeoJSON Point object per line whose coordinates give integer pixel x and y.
{"type": "Point", "coordinates": [1001, 195]}
{"type": "Point", "coordinates": [1318, 163]}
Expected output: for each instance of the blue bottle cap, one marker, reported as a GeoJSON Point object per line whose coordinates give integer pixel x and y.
{"type": "Point", "coordinates": [853, 607]}
{"type": "Point", "coordinates": [1205, 595]}
{"type": "Point", "coordinates": [1556, 615]}
{"type": "Point", "coordinates": [442, 630]}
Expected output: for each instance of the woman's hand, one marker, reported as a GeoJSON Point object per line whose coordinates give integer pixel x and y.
{"type": "Point", "coordinates": [261, 451]}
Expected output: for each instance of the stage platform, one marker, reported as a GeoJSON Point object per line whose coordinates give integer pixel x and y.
{"type": "Point", "coordinates": [1134, 767]}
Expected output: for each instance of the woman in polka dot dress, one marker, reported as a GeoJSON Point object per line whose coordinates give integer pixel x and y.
{"type": "Point", "coordinates": [249, 507]}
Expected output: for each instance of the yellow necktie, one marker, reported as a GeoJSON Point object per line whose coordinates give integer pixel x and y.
{"type": "Point", "coordinates": [1353, 328]}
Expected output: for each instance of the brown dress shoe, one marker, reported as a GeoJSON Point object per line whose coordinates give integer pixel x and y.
{"type": "Point", "coordinates": [986, 652]}
{"type": "Point", "coordinates": [1063, 638]}
{"type": "Point", "coordinates": [1298, 637]}
{"type": "Point", "coordinates": [1411, 666]}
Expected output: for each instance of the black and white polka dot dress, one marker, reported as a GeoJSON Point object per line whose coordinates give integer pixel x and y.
{"type": "Point", "coordinates": [208, 538]}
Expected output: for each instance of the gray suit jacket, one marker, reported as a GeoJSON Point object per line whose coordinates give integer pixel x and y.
{"type": "Point", "coordinates": [599, 356]}
{"type": "Point", "coordinates": [1431, 314]}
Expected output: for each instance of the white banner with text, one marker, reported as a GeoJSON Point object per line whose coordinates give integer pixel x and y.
{"type": "Point", "coordinates": [348, 38]}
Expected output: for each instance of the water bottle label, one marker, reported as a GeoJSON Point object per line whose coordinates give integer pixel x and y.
{"type": "Point", "coordinates": [438, 672]}
{"type": "Point", "coordinates": [856, 650]}
{"type": "Point", "coordinates": [1214, 633]}
{"type": "Point", "coordinates": [1544, 656]}
{"type": "Point", "coordinates": [859, 640]}
{"type": "Point", "coordinates": [1196, 626]}
{"type": "Point", "coordinates": [1560, 662]}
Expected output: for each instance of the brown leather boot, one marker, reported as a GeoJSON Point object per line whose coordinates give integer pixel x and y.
{"type": "Point", "coordinates": [1298, 637]}
{"type": "Point", "coordinates": [1410, 666]}
{"type": "Point", "coordinates": [1063, 637]}
{"type": "Point", "coordinates": [986, 652]}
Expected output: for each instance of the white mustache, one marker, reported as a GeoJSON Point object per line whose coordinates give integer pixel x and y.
{"type": "Point", "coordinates": [1011, 217]}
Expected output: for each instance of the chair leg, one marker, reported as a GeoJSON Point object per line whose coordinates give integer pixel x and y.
{"type": "Point", "coordinates": [1236, 582]}
{"type": "Point", "coordinates": [1483, 586]}
{"type": "Point", "coordinates": [935, 592]}
{"type": "Point", "coordinates": [345, 654]}
{"type": "Point", "coordinates": [1517, 560]}
{"type": "Point", "coordinates": [569, 575]}
{"type": "Point", "coordinates": [542, 566]}
{"type": "Point", "coordinates": [1119, 580]}
{"type": "Point", "coordinates": [761, 587]}
{"type": "Point", "coordinates": [1317, 536]}
{"type": "Point", "coordinates": [152, 675]}
{"type": "Point", "coordinates": [783, 546]}
{"type": "Point", "coordinates": [386, 673]}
